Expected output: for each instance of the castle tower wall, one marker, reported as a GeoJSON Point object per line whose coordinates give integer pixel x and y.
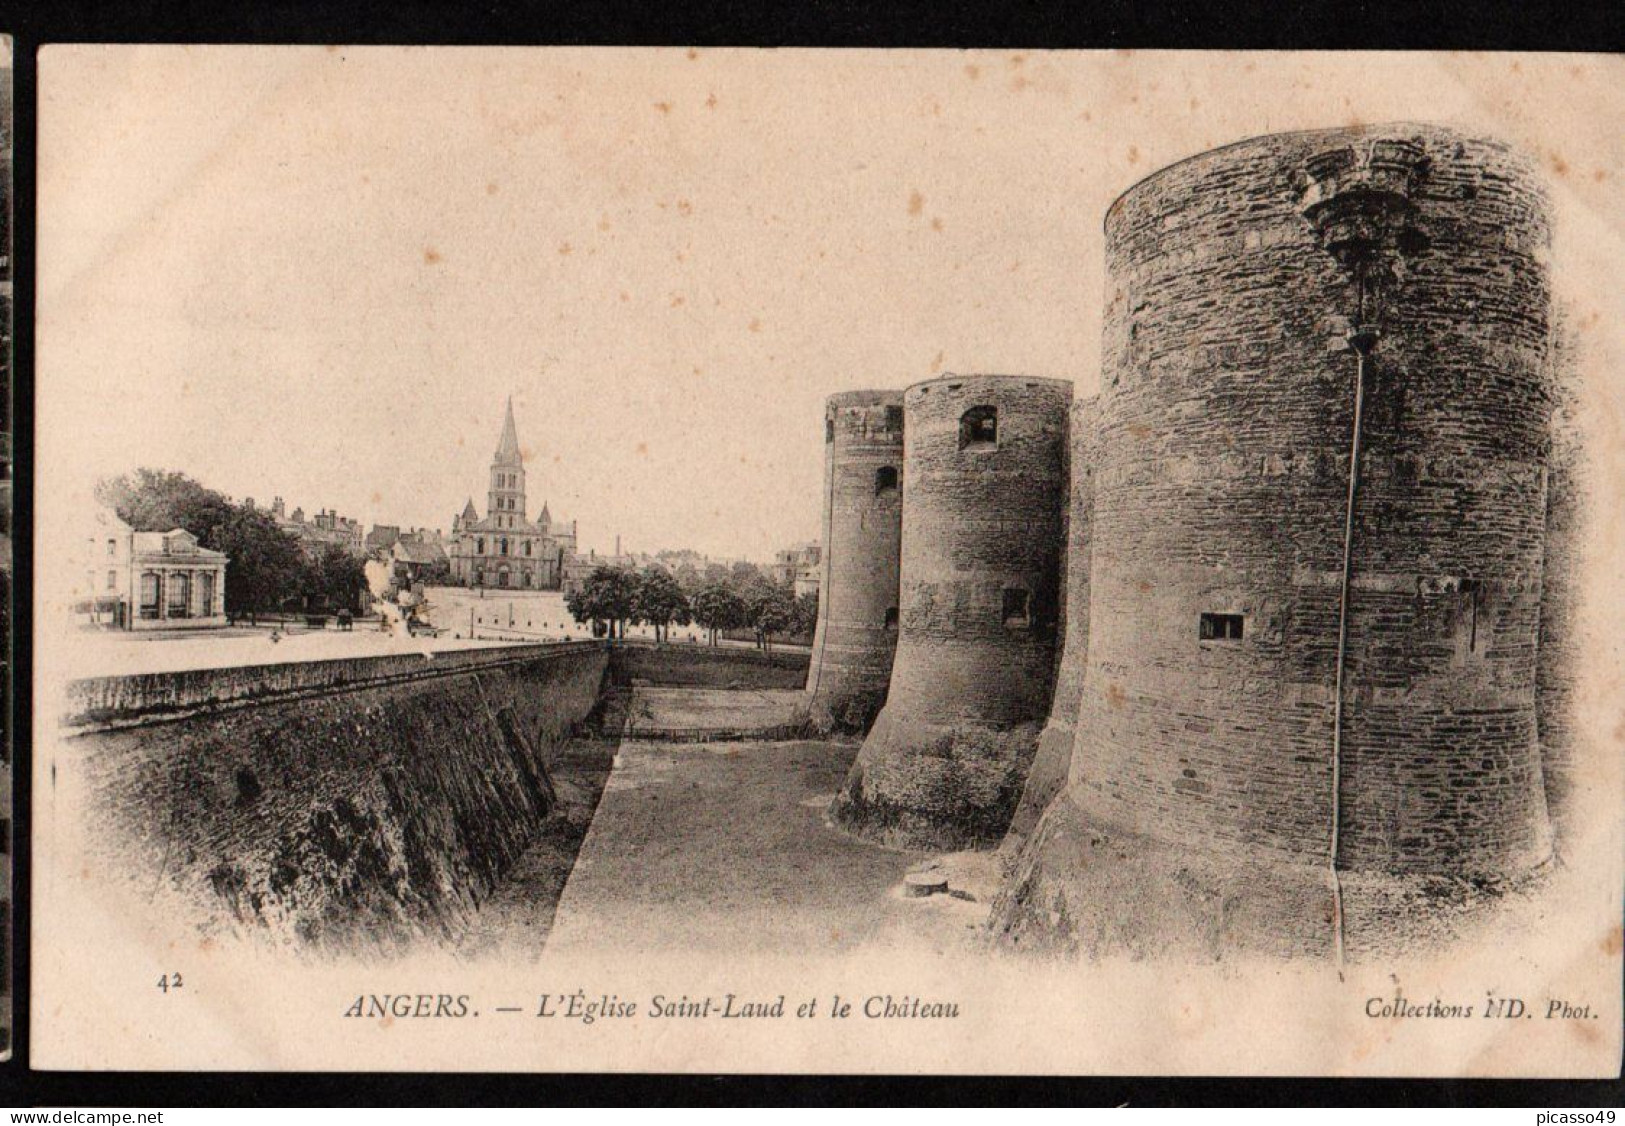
{"type": "Point", "coordinates": [1053, 759]}
{"type": "Point", "coordinates": [1209, 755]}
{"type": "Point", "coordinates": [984, 493]}
{"type": "Point", "coordinates": [1565, 536]}
{"type": "Point", "coordinates": [856, 633]}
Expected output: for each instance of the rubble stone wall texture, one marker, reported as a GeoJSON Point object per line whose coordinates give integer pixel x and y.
{"type": "Point", "coordinates": [1221, 470]}
{"type": "Point", "coordinates": [979, 592]}
{"type": "Point", "coordinates": [857, 627]}
{"type": "Point", "coordinates": [1053, 759]}
{"type": "Point", "coordinates": [363, 819]}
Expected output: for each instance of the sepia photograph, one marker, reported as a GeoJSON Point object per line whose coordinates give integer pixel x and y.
{"type": "Point", "coordinates": [870, 561]}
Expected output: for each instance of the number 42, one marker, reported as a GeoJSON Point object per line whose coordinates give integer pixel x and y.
{"type": "Point", "coordinates": [166, 982]}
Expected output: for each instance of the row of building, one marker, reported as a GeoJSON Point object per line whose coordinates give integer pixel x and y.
{"type": "Point", "coordinates": [327, 528]}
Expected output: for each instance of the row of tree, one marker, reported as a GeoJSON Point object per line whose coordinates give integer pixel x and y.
{"type": "Point", "coordinates": [267, 568]}
{"type": "Point", "coordinates": [720, 600]}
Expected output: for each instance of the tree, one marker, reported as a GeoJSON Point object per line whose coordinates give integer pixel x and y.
{"type": "Point", "coordinates": [333, 580]}
{"type": "Point", "coordinates": [159, 500]}
{"type": "Point", "coordinates": [264, 566]}
{"type": "Point", "coordinates": [437, 572]}
{"type": "Point", "coordinates": [804, 616]}
{"type": "Point", "coordinates": [744, 575]}
{"type": "Point", "coordinates": [606, 596]}
{"type": "Point", "coordinates": [770, 608]}
{"type": "Point", "coordinates": [688, 577]}
{"type": "Point", "coordinates": [658, 601]}
{"type": "Point", "coordinates": [716, 607]}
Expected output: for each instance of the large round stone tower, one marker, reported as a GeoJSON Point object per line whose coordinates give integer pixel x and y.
{"type": "Point", "coordinates": [1318, 524]}
{"type": "Point", "coordinates": [1053, 759]}
{"type": "Point", "coordinates": [984, 493]}
{"type": "Point", "coordinates": [857, 594]}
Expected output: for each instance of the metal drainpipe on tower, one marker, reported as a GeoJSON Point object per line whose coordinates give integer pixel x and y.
{"type": "Point", "coordinates": [1359, 204]}
{"type": "Point", "coordinates": [1362, 341]}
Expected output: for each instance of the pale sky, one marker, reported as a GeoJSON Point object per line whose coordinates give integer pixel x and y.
{"type": "Point", "coordinates": [319, 272]}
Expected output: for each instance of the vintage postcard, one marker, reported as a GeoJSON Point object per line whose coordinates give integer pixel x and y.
{"type": "Point", "coordinates": [829, 561]}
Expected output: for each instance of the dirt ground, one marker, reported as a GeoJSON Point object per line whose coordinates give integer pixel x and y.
{"type": "Point", "coordinates": [724, 846]}
{"type": "Point", "coordinates": [716, 845]}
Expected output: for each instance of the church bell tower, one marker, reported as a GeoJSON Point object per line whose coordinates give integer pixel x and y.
{"type": "Point", "coordinates": [505, 502]}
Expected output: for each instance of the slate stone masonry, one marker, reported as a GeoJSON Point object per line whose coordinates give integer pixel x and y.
{"type": "Point", "coordinates": [1221, 474]}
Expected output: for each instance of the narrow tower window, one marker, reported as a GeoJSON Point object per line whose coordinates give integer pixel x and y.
{"type": "Point", "coordinates": [1017, 614]}
{"type": "Point", "coordinates": [979, 429]}
{"type": "Point", "coordinates": [885, 480]}
{"type": "Point", "coordinates": [1472, 621]}
{"type": "Point", "coordinates": [1472, 598]}
{"type": "Point", "coordinates": [1220, 627]}
{"type": "Point", "coordinates": [891, 617]}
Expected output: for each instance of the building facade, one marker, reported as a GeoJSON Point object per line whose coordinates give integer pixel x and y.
{"type": "Point", "coordinates": [799, 567]}
{"type": "Point", "coordinates": [416, 558]}
{"type": "Point", "coordinates": [381, 538]}
{"type": "Point", "coordinates": [177, 583]}
{"type": "Point", "coordinates": [326, 528]}
{"type": "Point", "coordinates": [103, 595]}
{"type": "Point", "coordinates": [150, 580]}
{"type": "Point", "coordinates": [506, 549]}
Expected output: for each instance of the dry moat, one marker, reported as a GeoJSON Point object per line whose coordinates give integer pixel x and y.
{"type": "Point", "coordinates": [563, 798]}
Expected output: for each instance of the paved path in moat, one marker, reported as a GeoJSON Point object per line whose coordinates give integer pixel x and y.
{"type": "Point", "coordinates": [723, 847]}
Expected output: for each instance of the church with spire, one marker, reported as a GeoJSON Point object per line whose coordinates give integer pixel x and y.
{"type": "Point", "coordinates": [506, 549]}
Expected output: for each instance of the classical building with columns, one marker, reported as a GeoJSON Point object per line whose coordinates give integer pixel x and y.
{"type": "Point", "coordinates": [178, 584]}
{"type": "Point", "coordinates": [506, 549]}
{"type": "Point", "coordinates": [151, 580]}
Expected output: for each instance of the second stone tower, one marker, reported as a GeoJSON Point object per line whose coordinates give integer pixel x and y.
{"type": "Point", "coordinates": [863, 519]}
{"type": "Point", "coordinates": [984, 498]}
